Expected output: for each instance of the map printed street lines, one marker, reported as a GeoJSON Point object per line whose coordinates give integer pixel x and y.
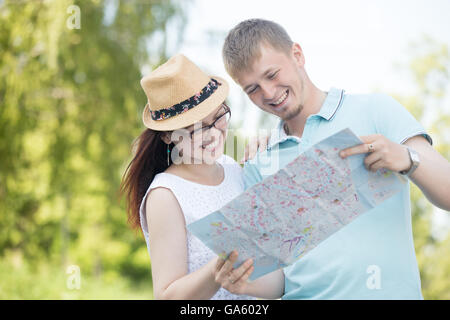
{"type": "Point", "coordinates": [280, 219]}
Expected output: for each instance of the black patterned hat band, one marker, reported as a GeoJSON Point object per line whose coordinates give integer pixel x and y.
{"type": "Point", "coordinates": [187, 104]}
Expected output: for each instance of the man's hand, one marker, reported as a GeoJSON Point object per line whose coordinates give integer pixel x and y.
{"type": "Point", "coordinates": [382, 153]}
{"type": "Point", "coordinates": [233, 280]}
{"type": "Point", "coordinates": [255, 145]}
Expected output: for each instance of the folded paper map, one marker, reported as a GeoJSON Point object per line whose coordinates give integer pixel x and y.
{"type": "Point", "coordinates": [280, 219]}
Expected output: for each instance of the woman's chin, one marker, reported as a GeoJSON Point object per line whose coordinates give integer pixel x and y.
{"type": "Point", "coordinates": [210, 156]}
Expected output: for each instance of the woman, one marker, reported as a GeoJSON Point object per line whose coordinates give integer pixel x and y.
{"type": "Point", "coordinates": [180, 174]}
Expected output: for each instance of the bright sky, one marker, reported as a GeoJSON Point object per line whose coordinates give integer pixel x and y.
{"type": "Point", "coordinates": [349, 44]}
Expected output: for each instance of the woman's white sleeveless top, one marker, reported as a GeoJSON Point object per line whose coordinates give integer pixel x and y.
{"type": "Point", "coordinates": [196, 201]}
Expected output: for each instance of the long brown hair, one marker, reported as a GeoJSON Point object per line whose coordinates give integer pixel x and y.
{"type": "Point", "coordinates": [150, 158]}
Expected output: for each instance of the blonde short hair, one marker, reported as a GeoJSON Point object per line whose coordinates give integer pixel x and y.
{"type": "Point", "coordinates": [242, 44]}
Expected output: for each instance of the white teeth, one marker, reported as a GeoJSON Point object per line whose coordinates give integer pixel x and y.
{"type": "Point", "coordinates": [282, 98]}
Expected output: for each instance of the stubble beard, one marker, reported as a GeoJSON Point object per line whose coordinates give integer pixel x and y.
{"type": "Point", "coordinates": [293, 113]}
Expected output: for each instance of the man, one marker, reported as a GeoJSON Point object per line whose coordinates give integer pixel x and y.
{"type": "Point", "coordinates": [373, 257]}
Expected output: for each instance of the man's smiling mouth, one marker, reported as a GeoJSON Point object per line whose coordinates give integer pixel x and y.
{"type": "Point", "coordinates": [280, 100]}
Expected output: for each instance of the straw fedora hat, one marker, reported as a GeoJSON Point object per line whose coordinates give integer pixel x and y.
{"type": "Point", "coordinates": [180, 94]}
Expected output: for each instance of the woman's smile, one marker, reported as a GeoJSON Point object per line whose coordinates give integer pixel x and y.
{"type": "Point", "coordinates": [212, 145]}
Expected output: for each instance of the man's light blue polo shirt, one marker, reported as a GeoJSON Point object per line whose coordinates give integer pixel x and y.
{"type": "Point", "coordinates": [373, 257]}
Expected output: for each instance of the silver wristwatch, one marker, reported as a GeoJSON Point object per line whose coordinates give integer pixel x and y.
{"type": "Point", "coordinates": [415, 161]}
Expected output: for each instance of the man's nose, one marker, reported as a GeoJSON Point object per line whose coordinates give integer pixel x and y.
{"type": "Point", "coordinates": [268, 92]}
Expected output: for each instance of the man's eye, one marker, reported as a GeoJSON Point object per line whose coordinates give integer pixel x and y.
{"type": "Point", "coordinates": [252, 90]}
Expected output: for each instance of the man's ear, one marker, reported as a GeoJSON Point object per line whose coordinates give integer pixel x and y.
{"type": "Point", "coordinates": [297, 54]}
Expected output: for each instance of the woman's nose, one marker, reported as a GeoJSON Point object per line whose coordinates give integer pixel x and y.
{"type": "Point", "coordinates": [213, 133]}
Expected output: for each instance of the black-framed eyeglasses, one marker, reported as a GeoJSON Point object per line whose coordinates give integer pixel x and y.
{"type": "Point", "coordinates": [220, 122]}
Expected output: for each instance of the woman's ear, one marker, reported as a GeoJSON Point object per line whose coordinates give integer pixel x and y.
{"type": "Point", "coordinates": [165, 137]}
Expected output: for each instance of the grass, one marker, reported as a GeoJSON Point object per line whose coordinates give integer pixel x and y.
{"type": "Point", "coordinates": [48, 282]}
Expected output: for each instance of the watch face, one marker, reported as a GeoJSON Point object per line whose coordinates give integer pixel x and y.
{"type": "Point", "coordinates": [415, 161]}
{"type": "Point", "coordinates": [414, 157]}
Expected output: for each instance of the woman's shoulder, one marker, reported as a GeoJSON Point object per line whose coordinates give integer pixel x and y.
{"type": "Point", "coordinates": [161, 197]}
{"type": "Point", "coordinates": [165, 179]}
{"type": "Point", "coordinates": [226, 160]}
{"type": "Point", "coordinates": [233, 171]}
{"type": "Point", "coordinates": [162, 205]}
{"type": "Point", "coordinates": [160, 192]}
{"type": "Point", "coordinates": [157, 204]}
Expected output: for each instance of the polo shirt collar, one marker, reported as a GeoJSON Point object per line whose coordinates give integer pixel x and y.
{"type": "Point", "coordinates": [329, 108]}
{"type": "Point", "coordinates": [332, 103]}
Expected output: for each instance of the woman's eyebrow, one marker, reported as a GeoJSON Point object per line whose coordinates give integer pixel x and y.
{"type": "Point", "coordinates": [220, 109]}
{"type": "Point", "coordinates": [203, 121]}
{"type": "Point", "coordinates": [216, 114]}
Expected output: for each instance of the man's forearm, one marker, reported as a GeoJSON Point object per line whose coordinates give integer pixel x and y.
{"type": "Point", "coordinates": [432, 176]}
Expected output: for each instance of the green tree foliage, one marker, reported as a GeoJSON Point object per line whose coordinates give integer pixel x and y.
{"type": "Point", "coordinates": [70, 107]}
{"type": "Point", "coordinates": [429, 70]}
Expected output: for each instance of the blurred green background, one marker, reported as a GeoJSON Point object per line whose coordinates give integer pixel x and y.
{"type": "Point", "coordinates": [70, 107]}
